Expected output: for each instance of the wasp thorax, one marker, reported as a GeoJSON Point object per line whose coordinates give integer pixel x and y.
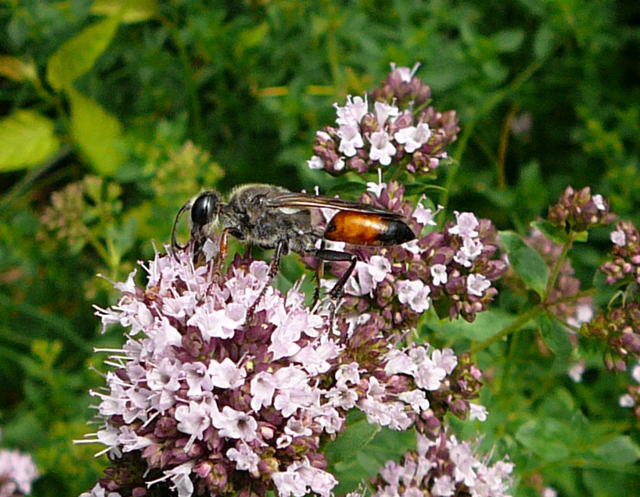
{"type": "Point", "coordinates": [204, 208]}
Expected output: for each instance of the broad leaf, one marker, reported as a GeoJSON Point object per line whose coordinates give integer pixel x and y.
{"type": "Point", "coordinates": [555, 336]}
{"type": "Point", "coordinates": [525, 261]}
{"type": "Point", "coordinates": [131, 10]}
{"type": "Point", "coordinates": [545, 438]}
{"type": "Point", "coordinates": [619, 450]}
{"type": "Point", "coordinates": [26, 139]}
{"type": "Point", "coordinates": [96, 132]}
{"type": "Point", "coordinates": [77, 55]}
{"type": "Point", "coordinates": [362, 449]}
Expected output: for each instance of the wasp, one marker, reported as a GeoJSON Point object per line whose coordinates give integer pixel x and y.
{"type": "Point", "coordinates": [273, 217]}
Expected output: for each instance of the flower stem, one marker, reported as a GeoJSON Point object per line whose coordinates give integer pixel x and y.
{"type": "Point", "coordinates": [512, 327]}
{"type": "Point", "coordinates": [558, 265]}
{"type": "Point", "coordinates": [486, 107]}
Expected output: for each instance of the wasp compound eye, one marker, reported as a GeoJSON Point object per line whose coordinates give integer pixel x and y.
{"type": "Point", "coordinates": [204, 208]}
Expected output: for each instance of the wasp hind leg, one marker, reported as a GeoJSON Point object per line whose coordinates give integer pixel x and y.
{"type": "Point", "coordinates": [337, 256]}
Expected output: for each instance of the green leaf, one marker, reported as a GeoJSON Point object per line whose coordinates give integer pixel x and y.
{"type": "Point", "coordinates": [525, 261]}
{"type": "Point", "coordinates": [544, 41]}
{"type": "Point", "coordinates": [132, 10]}
{"type": "Point", "coordinates": [545, 438]}
{"type": "Point", "coordinates": [96, 132]}
{"type": "Point", "coordinates": [508, 40]}
{"type": "Point", "coordinates": [76, 56]}
{"type": "Point", "coordinates": [619, 450]}
{"type": "Point", "coordinates": [485, 325]}
{"type": "Point", "coordinates": [26, 139]}
{"type": "Point", "coordinates": [360, 451]}
{"type": "Point", "coordinates": [555, 336]}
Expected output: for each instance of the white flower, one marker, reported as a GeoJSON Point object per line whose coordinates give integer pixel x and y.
{"type": "Point", "coordinates": [375, 188]}
{"type": "Point", "coordinates": [477, 411]}
{"type": "Point", "coordinates": [350, 139]}
{"type": "Point", "coordinates": [406, 73]}
{"type": "Point", "coordinates": [626, 401]}
{"type": "Point", "coordinates": [618, 237]}
{"type": "Point", "coordinates": [384, 111]}
{"type": "Point", "coordinates": [352, 112]}
{"type": "Point", "coordinates": [413, 137]}
{"type": "Point", "coordinates": [576, 371]}
{"type": "Point", "coordinates": [466, 224]}
{"type": "Point", "coordinates": [423, 215]}
{"type": "Point", "coordinates": [415, 293]}
{"type": "Point", "coordinates": [477, 284]}
{"type": "Point", "coordinates": [381, 147]}
{"type": "Point", "coordinates": [635, 372]}
{"type": "Point", "coordinates": [599, 201]}
{"type": "Point", "coordinates": [439, 274]}
{"type": "Point", "coordinates": [315, 163]}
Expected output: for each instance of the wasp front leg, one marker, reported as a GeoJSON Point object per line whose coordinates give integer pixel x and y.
{"type": "Point", "coordinates": [281, 248]}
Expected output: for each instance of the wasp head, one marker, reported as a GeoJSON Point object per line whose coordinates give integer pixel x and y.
{"type": "Point", "coordinates": [204, 210]}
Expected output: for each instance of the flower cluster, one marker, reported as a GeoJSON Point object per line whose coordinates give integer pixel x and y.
{"type": "Point", "coordinates": [632, 397]}
{"type": "Point", "coordinates": [205, 399]}
{"type": "Point", "coordinates": [625, 262]}
{"type": "Point", "coordinates": [17, 473]}
{"type": "Point", "coordinates": [390, 125]}
{"type": "Point", "coordinates": [452, 268]}
{"type": "Point", "coordinates": [619, 328]}
{"type": "Point", "coordinates": [563, 299]}
{"type": "Point", "coordinates": [441, 468]}
{"type": "Point", "coordinates": [580, 210]}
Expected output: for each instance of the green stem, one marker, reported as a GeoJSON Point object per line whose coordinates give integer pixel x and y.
{"type": "Point", "coordinates": [558, 265]}
{"type": "Point", "coordinates": [190, 87]}
{"type": "Point", "coordinates": [512, 327]}
{"type": "Point", "coordinates": [486, 107]}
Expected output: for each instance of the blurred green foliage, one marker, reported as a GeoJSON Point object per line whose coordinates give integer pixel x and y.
{"type": "Point", "coordinates": [115, 112]}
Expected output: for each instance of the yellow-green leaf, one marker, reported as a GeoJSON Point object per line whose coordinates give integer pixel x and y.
{"type": "Point", "coordinates": [97, 133]}
{"type": "Point", "coordinates": [26, 139]}
{"type": "Point", "coordinates": [131, 10]}
{"type": "Point", "coordinates": [77, 55]}
{"type": "Point", "coordinates": [16, 69]}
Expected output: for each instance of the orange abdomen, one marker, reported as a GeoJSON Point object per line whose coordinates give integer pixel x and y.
{"type": "Point", "coordinates": [359, 228]}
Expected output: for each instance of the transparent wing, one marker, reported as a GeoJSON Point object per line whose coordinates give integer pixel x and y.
{"type": "Point", "coordinates": [306, 201]}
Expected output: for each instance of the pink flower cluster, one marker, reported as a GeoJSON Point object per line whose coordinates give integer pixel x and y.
{"type": "Point", "coordinates": [619, 329]}
{"type": "Point", "coordinates": [200, 401]}
{"type": "Point", "coordinates": [625, 255]}
{"type": "Point", "coordinates": [388, 126]}
{"type": "Point", "coordinates": [17, 473]}
{"type": "Point", "coordinates": [443, 468]}
{"type": "Point", "coordinates": [580, 210]}
{"type": "Point", "coordinates": [451, 269]}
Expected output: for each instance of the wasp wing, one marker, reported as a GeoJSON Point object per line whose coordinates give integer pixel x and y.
{"type": "Point", "coordinates": [306, 201]}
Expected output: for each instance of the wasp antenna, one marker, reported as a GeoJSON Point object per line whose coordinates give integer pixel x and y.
{"type": "Point", "coordinates": [175, 246]}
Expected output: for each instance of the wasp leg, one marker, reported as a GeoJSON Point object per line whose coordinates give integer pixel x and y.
{"type": "Point", "coordinates": [319, 275]}
{"type": "Point", "coordinates": [336, 256]}
{"type": "Point", "coordinates": [281, 248]}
